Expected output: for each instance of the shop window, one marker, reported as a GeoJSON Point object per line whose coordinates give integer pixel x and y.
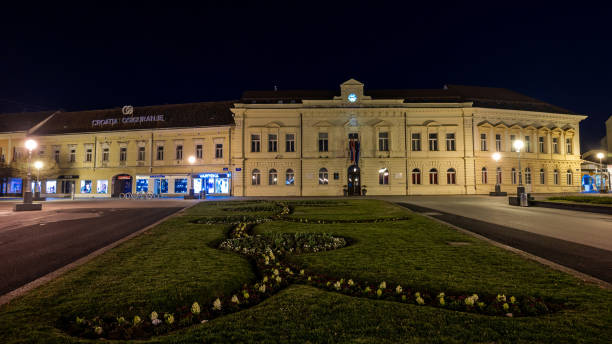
{"type": "Point", "coordinates": [289, 177]}
{"type": "Point", "coordinates": [102, 187]}
{"type": "Point", "coordinates": [179, 152]}
{"type": "Point", "coordinates": [542, 176]}
{"type": "Point", "coordinates": [88, 155]}
{"type": "Point", "coordinates": [433, 142]}
{"type": "Point", "coordinates": [256, 177]}
{"type": "Point", "coordinates": [556, 177]}
{"type": "Point", "coordinates": [323, 142]}
{"type": "Point", "coordinates": [198, 151]}
{"type": "Point", "coordinates": [290, 143]}
{"type": "Point", "coordinates": [527, 175]}
{"type": "Point", "coordinates": [141, 153]}
{"type": "Point", "coordinates": [484, 175]}
{"type": "Point", "coordinates": [450, 142]}
{"type": "Point", "coordinates": [433, 176]}
{"type": "Point", "coordinates": [142, 185]}
{"type": "Point", "coordinates": [160, 153]}
{"type": "Point", "coordinates": [180, 185]}
{"type": "Point", "coordinates": [272, 143]}
{"type": "Point", "coordinates": [255, 143]}
{"type": "Point", "coordinates": [569, 177]}
{"type": "Point", "coordinates": [416, 142]}
{"type": "Point", "coordinates": [483, 142]}
{"type": "Point", "coordinates": [416, 176]}
{"type": "Point", "coordinates": [123, 154]}
{"type": "Point", "coordinates": [323, 176]}
{"type": "Point", "coordinates": [86, 186]}
{"type": "Point", "coordinates": [218, 151]}
{"type": "Point", "coordinates": [383, 176]}
{"type": "Point", "coordinates": [105, 152]}
{"type": "Point", "coordinates": [451, 176]}
{"type": "Point", "coordinates": [51, 186]}
{"type": "Point", "coordinates": [15, 185]}
{"type": "Point", "coordinates": [272, 177]}
{"type": "Point", "coordinates": [383, 141]}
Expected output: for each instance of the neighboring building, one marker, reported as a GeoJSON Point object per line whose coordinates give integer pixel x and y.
{"type": "Point", "coordinates": [595, 172]}
{"type": "Point", "coordinates": [311, 143]}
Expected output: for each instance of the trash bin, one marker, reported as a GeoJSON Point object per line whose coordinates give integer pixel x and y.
{"type": "Point", "coordinates": [524, 200]}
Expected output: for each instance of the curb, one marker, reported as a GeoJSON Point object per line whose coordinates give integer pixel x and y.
{"type": "Point", "coordinates": [575, 207]}
{"type": "Point", "coordinates": [8, 297]}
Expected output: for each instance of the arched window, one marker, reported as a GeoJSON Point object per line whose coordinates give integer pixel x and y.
{"type": "Point", "coordinates": [569, 177]}
{"type": "Point", "coordinates": [514, 177]}
{"type": "Point", "coordinates": [499, 175]}
{"type": "Point", "coordinates": [290, 177]}
{"type": "Point", "coordinates": [542, 176]}
{"type": "Point", "coordinates": [556, 177]}
{"type": "Point", "coordinates": [433, 176]}
{"type": "Point", "coordinates": [484, 175]}
{"type": "Point", "coordinates": [256, 179]}
{"type": "Point", "coordinates": [451, 176]}
{"type": "Point", "coordinates": [323, 176]}
{"type": "Point", "coordinates": [416, 176]}
{"type": "Point", "coordinates": [383, 176]}
{"type": "Point", "coordinates": [527, 175]}
{"type": "Point", "coordinates": [272, 177]}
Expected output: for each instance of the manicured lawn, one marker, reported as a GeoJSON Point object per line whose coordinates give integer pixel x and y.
{"type": "Point", "coordinates": [604, 200]}
{"type": "Point", "coordinates": [177, 263]}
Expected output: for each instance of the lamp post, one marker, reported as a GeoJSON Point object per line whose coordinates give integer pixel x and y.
{"type": "Point", "coordinates": [38, 165]}
{"type": "Point", "coordinates": [191, 160]}
{"type": "Point", "coordinates": [520, 190]}
{"type": "Point", "coordinates": [27, 196]}
{"type": "Point", "coordinates": [497, 157]}
{"type": "Point", "coordinates": [602, 188]}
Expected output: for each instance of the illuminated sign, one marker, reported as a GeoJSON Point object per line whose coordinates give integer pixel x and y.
{"type": "Point", "coordinates": [127, 120]}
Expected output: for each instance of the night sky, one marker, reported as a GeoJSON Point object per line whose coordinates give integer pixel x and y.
{"type": "Point", "coordinates": [97, 56]}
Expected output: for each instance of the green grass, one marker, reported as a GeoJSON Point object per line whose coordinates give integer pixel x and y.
{"type": "Point", "coordinates": [173, 265]}
{"type": "Point", "coordinates": [593, 200]}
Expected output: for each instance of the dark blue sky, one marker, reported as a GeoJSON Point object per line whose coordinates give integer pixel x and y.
{"type": "Point", "coordinates": [96, 55]}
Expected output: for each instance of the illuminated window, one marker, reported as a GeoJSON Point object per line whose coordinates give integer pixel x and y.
{"type": "Point", "coordinates": [323, 176]}
{"type": "Point", "coordinates": [383, 176]}
{"type": "Point", "coordinates": [85, 186]}
{"type": "Point", "coordinates": [256, 177]}
{"type": "Point", "coordinates": [102, 187]}
{"type": "Point", "coordinates": [272, 177]}
{"type": "Point", "coordinates": [451, 176]}
{"type": "Point", "coordinates": [433, 176]}
{"type": "Point", "coordinates": [416, 176]}
{"type": "Point", "coordinates": [289, 177]}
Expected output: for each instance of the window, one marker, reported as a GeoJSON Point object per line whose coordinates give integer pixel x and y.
{"type": "Point", "coordinates": [450, 142]}
{"type": "Point", "coordinates": [272, 143]}
{"type": "Point", "coordinates": [255, 143]}
{"type": "Point", "coordinates": [88, 155]}
{"type": "Point", "coordinates": [289, 177]}
{"type": "Point", "coordinates": [256, 177]}
{"type": "Point", "coordinates": [498, 177]}
{"type": "Point", "coordinates": [105, 153]}
{"type": "Point", "coordinates": [56, 155]}
{"type": "Point", "coordinates": [383, 141]}
{"type": "Point", "coordinates": [512, 139]}
{"type": "Point", "coordinates": [569, 177]}
{"type": "Point", "coordinates": [142, 185]}
{"type": "Point", "coordinates": [451, 176]}
{"type": "Point", "coordinates": [527, 144]}
{"type": "Point", "coordinates": [541, 144]}
{"type": "Point", "coordinates": [323, 142]}
{"type": "Point", "coordinates": [527, 175]}
{"type": "Point", "coordinates": [498, 143]}
{"type": "Point", "coordinates": [141, 153]}
{"type": "Point", "coordinates": [123, 154]}
{"type": "Point", "coordinates": [179, 152]}
{"type": "Point", "coordinates": [198, 151]}
{"type": "Point", "coordinates": [383, 176]}
{"type": "Point", "coordinates": [433, 142]}
{"type": "Point", "coordinates": [323, 176]}
{"type": "Point", "coordinates": [180, 185]}
{"type": "Point", "coordinates": [160, 152]}
{"type": "Point", "coordinates": [542, 176]}
{"type": "Point", "coordinates": [416, 176]}
{"type": "Point", "coordinates": [416, 142]}
{"type": "Point", "coordinates": [568, 146]}
{"type": "Point", "coordinates": [85, 186]}
{"type": "Point", "coordinates": [483, 142]}
{"type": "Point", "coordinates": [484, 175]}
{"type": "Point", "coordinates": [555, 145]}
{"type": "Point", "coordinates": [290, 143]}
{"type": "Point", "coordinates": [51, 186]}
{"type": "Point", "coordinates": [556, 177]}
{"type": "Point", "coordinates": [336, 176]}
{"type": "Point", "coordinates": [102, 187]}
{"type": "Point", "coordinates": [72, 154]}
{"type": "Point", "coordinates": [433, 176]}
{"type": "Point", "coordinates": [219, 151]}
{"type": "Point", "coordinates": [272, 177]}
{"type": "Point", "coordinates": [514, 177]}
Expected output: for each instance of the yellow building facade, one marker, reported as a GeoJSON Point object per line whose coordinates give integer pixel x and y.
{"type": "Point", "coordinates": [348, 141]}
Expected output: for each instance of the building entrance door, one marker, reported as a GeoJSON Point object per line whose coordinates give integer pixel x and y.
{"type": "Point", "coordinates": [122, 183]}
{"type": "Point", "coordinates": [354, 181]}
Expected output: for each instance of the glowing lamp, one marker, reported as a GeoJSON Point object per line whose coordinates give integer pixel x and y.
{"type": "Point", "coordinates": [38, 165]}
{"type": "Point", "coordinates": [31, 145]}
{"type": "Point", "coordinates": [518, 145]}
{"type": "Point", "coordinates": [600, 155]}
{"type": "Point", "coordinates": [191, 159]}
{"type": "Point", "coordinates": [496, 156]}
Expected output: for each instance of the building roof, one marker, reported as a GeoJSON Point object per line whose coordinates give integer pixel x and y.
{"type": "Point", "coordinates": [189, 115]}
{"type": "Point", "coordinates": [21, 121]}
{"type": "Point", "coordinates": [490, 97]}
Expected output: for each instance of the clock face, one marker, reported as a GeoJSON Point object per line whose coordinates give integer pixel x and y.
{"type": "Point", "coordinates": [352, 97]}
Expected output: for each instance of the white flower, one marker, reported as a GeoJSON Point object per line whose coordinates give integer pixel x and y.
{"type": "Point", "coordinates": [153, 315]}
{"type": "Point", "coordinates": [98, 330]}
{"type": "Point", "coordinates": [420, 300]}
{"type": "Point", "coordinates": [217, 304]}
{"type": "Point", "coordinates": [501, 298]}
{"type": "Point", "coordinates": [337, 285]}
{"type": "Point", "coordinates": [262, 288]}
{"type": "Point", "coordinates": [398, 289]}
{"type": "Point", "coordinates": [278, 279]}
{"type": "Point", "coordinates": [156, 322]}
{"type": "Point", "coordinates": [383, 285]}
{"type": "Point", "coordinates": [235, 299]}
{"type": "Point", "coordinates": [195, 308]}
{"type": "Point", "coordinates": [350, 282]}
{"type": "Point", "coordinates": [275, 272]}
{"type": "Point", "coordinates": [265, 279]}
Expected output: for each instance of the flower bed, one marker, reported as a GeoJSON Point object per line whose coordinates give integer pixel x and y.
{"type": "Point", "coordinates": [283, 243]}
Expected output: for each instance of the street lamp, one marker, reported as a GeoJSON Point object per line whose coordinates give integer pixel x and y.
{"type": "Point", "coordinates": [38, 165]}
{"type": "Point", "coordinates": [191, 161]}
{"type": "Point", "coordinates": [520, 190]}
{"type": "Point", "coordinates": [497, 157]}
{"type": "Point", "coordinates": [27, 204]}
{"type": "Point", "coordinates": [600, 156]}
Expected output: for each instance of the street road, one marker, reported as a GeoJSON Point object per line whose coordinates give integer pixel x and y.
{"type": "Point", "coordinates": [33, 244]}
